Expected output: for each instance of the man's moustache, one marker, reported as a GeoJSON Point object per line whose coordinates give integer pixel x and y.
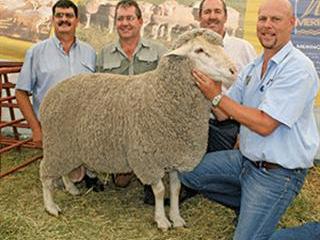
{"type": "Point", "coordinates": [214, 21]}
{"type": "Point", "coordinates": [64, 22]}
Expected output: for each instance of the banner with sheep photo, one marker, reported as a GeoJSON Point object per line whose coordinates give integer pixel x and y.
{"type": "Point", "coordinates": [24, 22]}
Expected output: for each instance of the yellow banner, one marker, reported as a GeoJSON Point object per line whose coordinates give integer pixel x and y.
{"type": "Point", "coordinates": [11, 49]}
{"type": "Point", "coordinates": [250, 20]}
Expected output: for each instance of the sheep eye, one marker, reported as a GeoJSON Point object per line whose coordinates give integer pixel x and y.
{"type": "Point", "coordinates": [232, 72]}
{"type": "Point", "coordinates": [199, 50]}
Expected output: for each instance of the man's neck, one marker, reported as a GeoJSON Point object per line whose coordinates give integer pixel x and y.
{"type": "Point", "coordinates": [267, 55]}
{"type": "Point", "coordinates": [66, 40]}
{"type": "Point", "coordinates": [129, 46]}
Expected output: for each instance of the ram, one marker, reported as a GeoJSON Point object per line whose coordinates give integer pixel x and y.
{"type": "Point", "coordinates": [150, 124]}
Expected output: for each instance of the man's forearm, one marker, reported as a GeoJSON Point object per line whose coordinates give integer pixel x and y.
{"type": "Point", "coordinates": [27, 110]}
{"type": "Point", "coordinates": [253, 118]}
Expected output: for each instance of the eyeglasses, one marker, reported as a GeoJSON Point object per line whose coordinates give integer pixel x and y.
{"type": "Point", "coordinates": [128, 18]}
{"type": "Point", "coordinates": [60, 15]}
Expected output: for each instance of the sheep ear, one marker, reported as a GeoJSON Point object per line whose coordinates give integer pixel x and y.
{"type": "Point", "coordinates": [181, 51]}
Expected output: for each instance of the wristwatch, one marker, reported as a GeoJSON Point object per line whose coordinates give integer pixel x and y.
{"type": "Point", "coordinates": [216, 100]}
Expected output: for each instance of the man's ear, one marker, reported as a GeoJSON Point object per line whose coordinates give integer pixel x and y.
{"type": "Point", "coordinates": [141, 21]}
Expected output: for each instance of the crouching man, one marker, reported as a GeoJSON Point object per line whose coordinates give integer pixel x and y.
{"type": "Point", "coordinates": [273, 100]}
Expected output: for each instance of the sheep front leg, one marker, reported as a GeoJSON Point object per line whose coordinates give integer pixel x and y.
{"type": "Point", "coordinates": [49, 204]}
{"type": "Point", "coordinates": [174, 214]}
{"type": "Point", "coordinates": [159, 214]}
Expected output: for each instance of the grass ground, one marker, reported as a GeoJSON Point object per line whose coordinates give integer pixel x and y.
{"type": "Point", "coordinates": [119, 214]}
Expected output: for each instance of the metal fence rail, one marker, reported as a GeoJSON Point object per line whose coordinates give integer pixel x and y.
{"type": "Point", "coordinates": [8, 102]}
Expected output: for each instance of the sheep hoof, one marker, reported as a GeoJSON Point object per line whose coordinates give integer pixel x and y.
{"type": "Point", "coordinates": [73, 190]}
{"type": "Point", "coordinates": [163, 224]}
{"type": "Point", "coordinates": [53, 210]}
{"type": "Point", "coordinates": [178, 222]}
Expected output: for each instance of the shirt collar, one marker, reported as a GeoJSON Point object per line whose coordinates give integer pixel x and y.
{"type": "Point", "coordinates": [58, 43]}
{"type": "Point", "coordinates": [226, 37]}
{"type": "Point", "coordinates": [278, 57]}
{"type": "Point", "coordinates": [284, 51]}
{"type": "Point", "coordinates": [142, 43]}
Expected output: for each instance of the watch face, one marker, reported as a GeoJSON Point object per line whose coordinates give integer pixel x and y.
{"type": "Point", "coordinates": [216, 100]}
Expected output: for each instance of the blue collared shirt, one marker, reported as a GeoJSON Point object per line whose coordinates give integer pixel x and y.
{"type": "Point", "coordinates": [287, 93]}
{"type": "Point", "coordinates": [46, 64]}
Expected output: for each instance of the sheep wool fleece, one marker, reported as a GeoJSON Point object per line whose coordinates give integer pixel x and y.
{"type": "Point", "coordinates": [148, 123]}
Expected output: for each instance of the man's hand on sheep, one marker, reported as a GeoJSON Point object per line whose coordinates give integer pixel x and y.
{"type": "Point", "coordinates": [208, 86]}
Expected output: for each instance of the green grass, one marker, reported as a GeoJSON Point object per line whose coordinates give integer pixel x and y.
{"type": "Point", "coordinates": [118, 214]}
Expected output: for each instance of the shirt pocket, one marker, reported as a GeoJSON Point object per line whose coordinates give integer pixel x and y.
{"type": "Point", "coordinates": [48, 69]}
{"type": "Point", "coordinates": [113, 63]}
{"type": "Point", "coordinates": [50, 65]}
{"type": "Point", "coordinates": [146, 60]}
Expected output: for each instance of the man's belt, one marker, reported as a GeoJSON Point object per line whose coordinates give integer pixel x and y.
{"type": "Point", "coordinates": [264, 164]}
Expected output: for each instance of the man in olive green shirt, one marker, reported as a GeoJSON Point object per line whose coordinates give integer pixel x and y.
{"type": "Point", "coordinates": [129, 55]}
{"type": "Point", "coordinates": [146, 57]}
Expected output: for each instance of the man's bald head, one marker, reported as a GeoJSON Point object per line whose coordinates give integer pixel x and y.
{"type": "Point", "coordinates": [275, 23]}
{"type": "Point", "coordinates": [284, 5]}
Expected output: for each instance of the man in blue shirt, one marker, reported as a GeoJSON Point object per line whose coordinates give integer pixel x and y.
{"type": "Point", "coordinates": [49, 62]}
{"type": "Point", "coordinates": [273, 101]}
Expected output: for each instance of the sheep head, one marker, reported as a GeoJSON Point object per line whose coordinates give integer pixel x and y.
{"type": "Point", "coordinates": [204, 48]}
